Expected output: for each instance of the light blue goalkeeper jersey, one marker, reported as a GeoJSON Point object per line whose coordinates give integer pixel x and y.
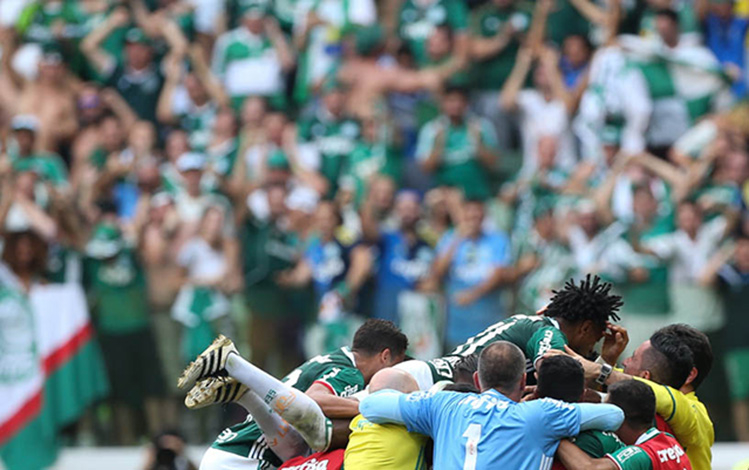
{"type": "Point", "coordinates": [488, 430]}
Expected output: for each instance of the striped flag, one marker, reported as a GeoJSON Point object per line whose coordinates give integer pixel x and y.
{"type": "Point", "coordinates": [50, 370]}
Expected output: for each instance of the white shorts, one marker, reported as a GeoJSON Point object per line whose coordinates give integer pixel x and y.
{"type": "Point", "coordinates": [215, 459]}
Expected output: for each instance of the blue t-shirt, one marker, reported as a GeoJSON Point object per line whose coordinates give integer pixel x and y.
{"type": "Point", "coordinates": [329, 262]}
{"type": "Point", "coordinates": [488, 430]}
{"type": "Point", "coordinates": [473, 263]}
{"type": "Point", "coordinates": [727, 40]}
{"type": "Point", "coordinates": [399, 269]}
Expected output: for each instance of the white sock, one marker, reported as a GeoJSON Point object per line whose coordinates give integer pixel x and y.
{"type": "Point", "coordinates": [282, 439]}
{"type": "Point", "coordinates": [295, 407]}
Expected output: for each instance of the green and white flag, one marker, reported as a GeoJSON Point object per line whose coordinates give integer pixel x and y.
{"type": "Point", "coordinates": [50, 369]}
{"type": "Point", "coordinates": [684, 84]}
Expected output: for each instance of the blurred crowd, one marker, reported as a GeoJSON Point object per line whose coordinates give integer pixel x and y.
{"type": "Point", "coordinates": [278, 171]}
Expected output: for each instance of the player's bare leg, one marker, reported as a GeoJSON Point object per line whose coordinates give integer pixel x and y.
{"type": "Point", "coordinates": [221, 358]}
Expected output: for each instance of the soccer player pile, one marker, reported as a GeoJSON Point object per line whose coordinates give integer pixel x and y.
{"type": "Point", "coordinates": [523, 394]}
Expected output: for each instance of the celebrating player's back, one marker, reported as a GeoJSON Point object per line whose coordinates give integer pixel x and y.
{"type": "Point", "coordinates": [578, 315]}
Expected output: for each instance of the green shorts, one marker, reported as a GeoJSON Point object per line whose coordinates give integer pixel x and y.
{"type": "Point", "coordinates": [737, 369]}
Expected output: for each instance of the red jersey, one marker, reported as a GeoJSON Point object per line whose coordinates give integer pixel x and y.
{"type": "Point", "coordinates": [654, 450]}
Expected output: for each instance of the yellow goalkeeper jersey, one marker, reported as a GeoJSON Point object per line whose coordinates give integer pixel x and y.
{"type": "Point", "coordinates": [388, 446]}
{"type": "Point", "coordinates": [689, 421]}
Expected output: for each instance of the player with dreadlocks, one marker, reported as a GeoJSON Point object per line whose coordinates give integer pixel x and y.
{"type": "Point", "coordinates": [578, 316]}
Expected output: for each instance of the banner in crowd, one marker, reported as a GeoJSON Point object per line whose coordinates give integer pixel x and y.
{"type": "Point", "coordinates": [50, 370]}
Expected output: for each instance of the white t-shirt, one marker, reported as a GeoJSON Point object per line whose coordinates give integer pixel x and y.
{"type": "Point", "coordinates": [202, 260]}
{"type": "Point", "coordinates": [541, 118]}
{"type": "Point", "coordinates": [687, 258]}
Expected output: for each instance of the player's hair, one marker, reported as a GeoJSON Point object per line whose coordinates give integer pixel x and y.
{"type": "Point", "coordinates": [590, 300]}
{"type": "Point", "coordinates": [461, 387]}
{"type": "Point", "coordinates": [501, 366]}
{"type": "Point", "coordinates": [698, 343]}
{"type": "Point", "coordinates": [669, 360]}
{"type": "Point", "coordinates": [669, 13]}
{"type": "Point", "coordinates": [636, 399]}
{"type": "Point", "coordinates": [562, 378]}
{"type": "Point", "coordinates": [464, 369]}
{"type": "Point", "coordinates": [456, 90]}
{"type": "Point", "coordinates": [375, 336]}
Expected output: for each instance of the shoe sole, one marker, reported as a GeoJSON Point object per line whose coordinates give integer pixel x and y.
{"type": "Point", "coordinates": [205, 363]}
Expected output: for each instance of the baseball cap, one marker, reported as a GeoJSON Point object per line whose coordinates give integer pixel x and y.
{"type": "Point", "coordinates": [51, 54]}
{"type": "Point", "coordinates": [611, 135]}
{"type": "Point", "coordinates": [190, 161]}
{"type": "Point", "coordinates": [25, 122]}
{"type": "Point", "coordinates": [254, 9]}
{"type": "Point", "coordinates": [137, 36]}
{"type": "Point", "coordinates": [278, 161]}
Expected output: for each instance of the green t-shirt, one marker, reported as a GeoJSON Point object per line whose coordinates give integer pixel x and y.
{"type": "Point", "coordinates": [117, 288]}
{"type": "Point", "coordinates": [417, 22]}
{"type": "Point", "coordinates": [565, 20]}
{"type": "Point", "coordinates": [198, 123]}
{"type": "Point", "coordinates": [63, 264]}
{"type": "Point", "coordinates": [650, 297]}
{"type": "Point", "coordinates": [140, 89]}
{"type": "Point", "coordinates": [534, 334]}
{"type": "Point", "coordinates": [491, 73]}
{"type": "Point", "coordinates": [459, 165]}
{"type": "Point", "coordinates": [336, 371]}
{"type": "Point", "coordinates": [335, 139]}
{"type": "Point", "coordinates": [48, 166]}
{"type": "Point", "coordinates": [267, 250]}
{"type": "Point", "coordinates": [688, 22]}
{"type": "Point", "coordinates": [365, 161]}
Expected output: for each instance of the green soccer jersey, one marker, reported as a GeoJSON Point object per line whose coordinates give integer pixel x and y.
{"type": "Point", "coordinates": [565, 20]}
{"type": "Point", "coordinates": [597, 443]}
{"type": "Point", "coordinates": [198, 121]}
{"type": "Point", "coordinates": [459, 160]}
{"type": "Point", "coordinates": [336, 371]}
{"type": "Point", "coordinates": [365, 161]}
{"type": "Point", "coordinates": [64, 265]}
{"type": "Point", "coordinates": [654, 449]}
{"type": "Point", "coordinates": [267, 249]}
{"type": "Point", "coordinates": [140, 89]}
{"type": "Point", "coordinates": [48, 166]}
{"type": "Point", "coordinates": [534, 334]}
{"type": "Point", "coordinates": [649, 297]}
{"type": "Point", "coordinates": [418, 19]}
{"type": "Point", "coordinates": [335, 139]}
{"type": "Point", "coordinates": [491, 73]}
{"type": "Point", "coordinates": [117, 287]}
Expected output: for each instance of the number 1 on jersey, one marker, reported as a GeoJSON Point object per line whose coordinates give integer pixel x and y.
{"type": "Point", "coordinates": [473, 434]}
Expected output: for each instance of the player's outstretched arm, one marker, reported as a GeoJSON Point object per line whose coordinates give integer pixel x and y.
{"type": "Point", "coordinates": [599, 416]}
{"type": "Point", "coordinates": [382, 407]}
